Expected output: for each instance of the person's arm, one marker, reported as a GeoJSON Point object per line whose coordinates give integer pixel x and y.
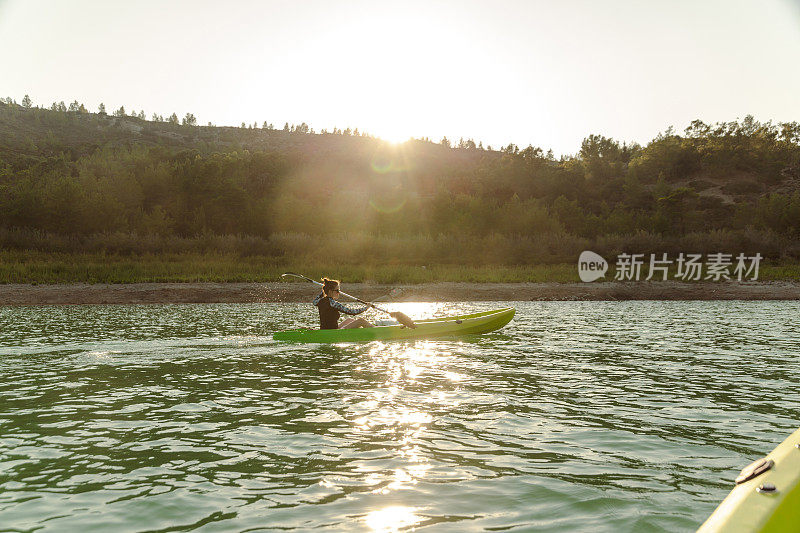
{"type": "Point", "coordinates": [348, 310]}
{"type": "Point", "coordinates": [319, 297]}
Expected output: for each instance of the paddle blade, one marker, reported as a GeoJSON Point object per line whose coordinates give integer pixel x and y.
{"type": "Point", "coordinates": [295, 275]}
{"type": "Point", "coordinates": [403, 319]}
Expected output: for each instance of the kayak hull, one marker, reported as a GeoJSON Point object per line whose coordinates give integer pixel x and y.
{"type": "Point", "coordinates": [751, 508]}
{"type": "Point", "coordinates": [472, 324]}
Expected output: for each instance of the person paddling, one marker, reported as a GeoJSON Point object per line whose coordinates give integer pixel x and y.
{"type": "Point", "coordinates": [330, 309]}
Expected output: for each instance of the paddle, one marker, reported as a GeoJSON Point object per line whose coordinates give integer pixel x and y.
{"type": "Point", "coordinates": [397, 315]}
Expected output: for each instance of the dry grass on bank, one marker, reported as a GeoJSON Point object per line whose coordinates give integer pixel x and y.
{"type": "Point", "coordinates": [49, 268]}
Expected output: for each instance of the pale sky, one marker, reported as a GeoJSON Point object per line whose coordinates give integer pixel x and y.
{"type": "Point", "coordinates": [527, 72]}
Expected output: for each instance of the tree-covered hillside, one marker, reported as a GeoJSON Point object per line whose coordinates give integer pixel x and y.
{"type": "Point", "coordinates": [67, 175]}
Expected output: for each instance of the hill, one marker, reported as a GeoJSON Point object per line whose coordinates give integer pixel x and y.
{"type": "Point", "coordinates": [73, 181]}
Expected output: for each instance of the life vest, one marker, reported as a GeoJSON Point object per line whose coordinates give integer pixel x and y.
{"type": "Point", "coordinates": [328, 316]}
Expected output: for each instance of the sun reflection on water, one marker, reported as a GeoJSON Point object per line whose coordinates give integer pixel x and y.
{"type": "Point", "coordinates": [420, 310]}
{"type": "Point", "coordinates": [392, 518]}
{"type": "Point", "coordinates": [401, 414]}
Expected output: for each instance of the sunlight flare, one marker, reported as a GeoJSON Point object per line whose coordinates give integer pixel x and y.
{"type": "Point", "coordinates": [392, 518]}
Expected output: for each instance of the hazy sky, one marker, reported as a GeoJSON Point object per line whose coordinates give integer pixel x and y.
{"type": "Point", "coordinates": [541, 73]}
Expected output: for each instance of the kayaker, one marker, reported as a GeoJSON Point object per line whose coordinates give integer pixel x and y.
{"type": "Point", "coordinates": [330, 309]}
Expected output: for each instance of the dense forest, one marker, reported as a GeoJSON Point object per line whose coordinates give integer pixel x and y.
{"type": "Point", "coordinates": [74, 180]}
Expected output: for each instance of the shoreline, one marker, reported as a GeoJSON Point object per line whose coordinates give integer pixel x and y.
{"type": "Point", "coordinates": [166, 293]}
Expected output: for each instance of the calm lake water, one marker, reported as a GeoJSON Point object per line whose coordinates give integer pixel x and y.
{"type": "Point", "coordinates": [579, 416]}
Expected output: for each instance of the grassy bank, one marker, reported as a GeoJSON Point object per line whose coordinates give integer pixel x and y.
{"type": "Point", "coordinates": [39, 267]}
{"type": "Point", "coordinates": [49, 267]}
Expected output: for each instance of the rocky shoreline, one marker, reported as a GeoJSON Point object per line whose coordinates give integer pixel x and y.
{"type": "Point", "coordinates": [152, 293]}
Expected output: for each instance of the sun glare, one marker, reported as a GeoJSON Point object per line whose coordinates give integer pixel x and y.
{"type": "Point", "coordinates": [394, 137]}
{"type": "Point", "coordinates": [392, 518]}
{"type": "Point", "coordinates": [392, 128]}
{"type": "Point", "coordinates": [400, 86]}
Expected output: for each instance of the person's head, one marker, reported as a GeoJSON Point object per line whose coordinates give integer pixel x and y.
{"type": "Point", "coordinates": [330, 287]}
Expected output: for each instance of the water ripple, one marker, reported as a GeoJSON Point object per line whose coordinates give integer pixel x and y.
{"type": "Point", "coordinates": [584, 416]}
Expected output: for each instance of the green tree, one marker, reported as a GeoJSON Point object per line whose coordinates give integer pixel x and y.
{"type": "Point", "coordinates": [173, 119]}
{"type": "Point", "coordinates": [120, 112]}
{"type": "Point", "coordinates": [189, 120]}
{"type": "Point", "coordinates": [101, 110]}
{"type": "Point", "coordinates": [603, 157]}
{"type": "Point", "coordinates": [26, 102]}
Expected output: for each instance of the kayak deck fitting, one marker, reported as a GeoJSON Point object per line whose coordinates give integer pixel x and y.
{"type": "Point", "coordinates": [766, 497]}
{"type": "Point", "coordinates": [472, 324]}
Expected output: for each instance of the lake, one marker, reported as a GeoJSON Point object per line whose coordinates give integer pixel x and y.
{"type": "Point", "coordinates": [578, 416]}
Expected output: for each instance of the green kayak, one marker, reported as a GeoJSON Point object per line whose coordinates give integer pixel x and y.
{"type": "Point", "coordinates": [433, 327]}
{"type": "Point", "coordinates": [766, 497]}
